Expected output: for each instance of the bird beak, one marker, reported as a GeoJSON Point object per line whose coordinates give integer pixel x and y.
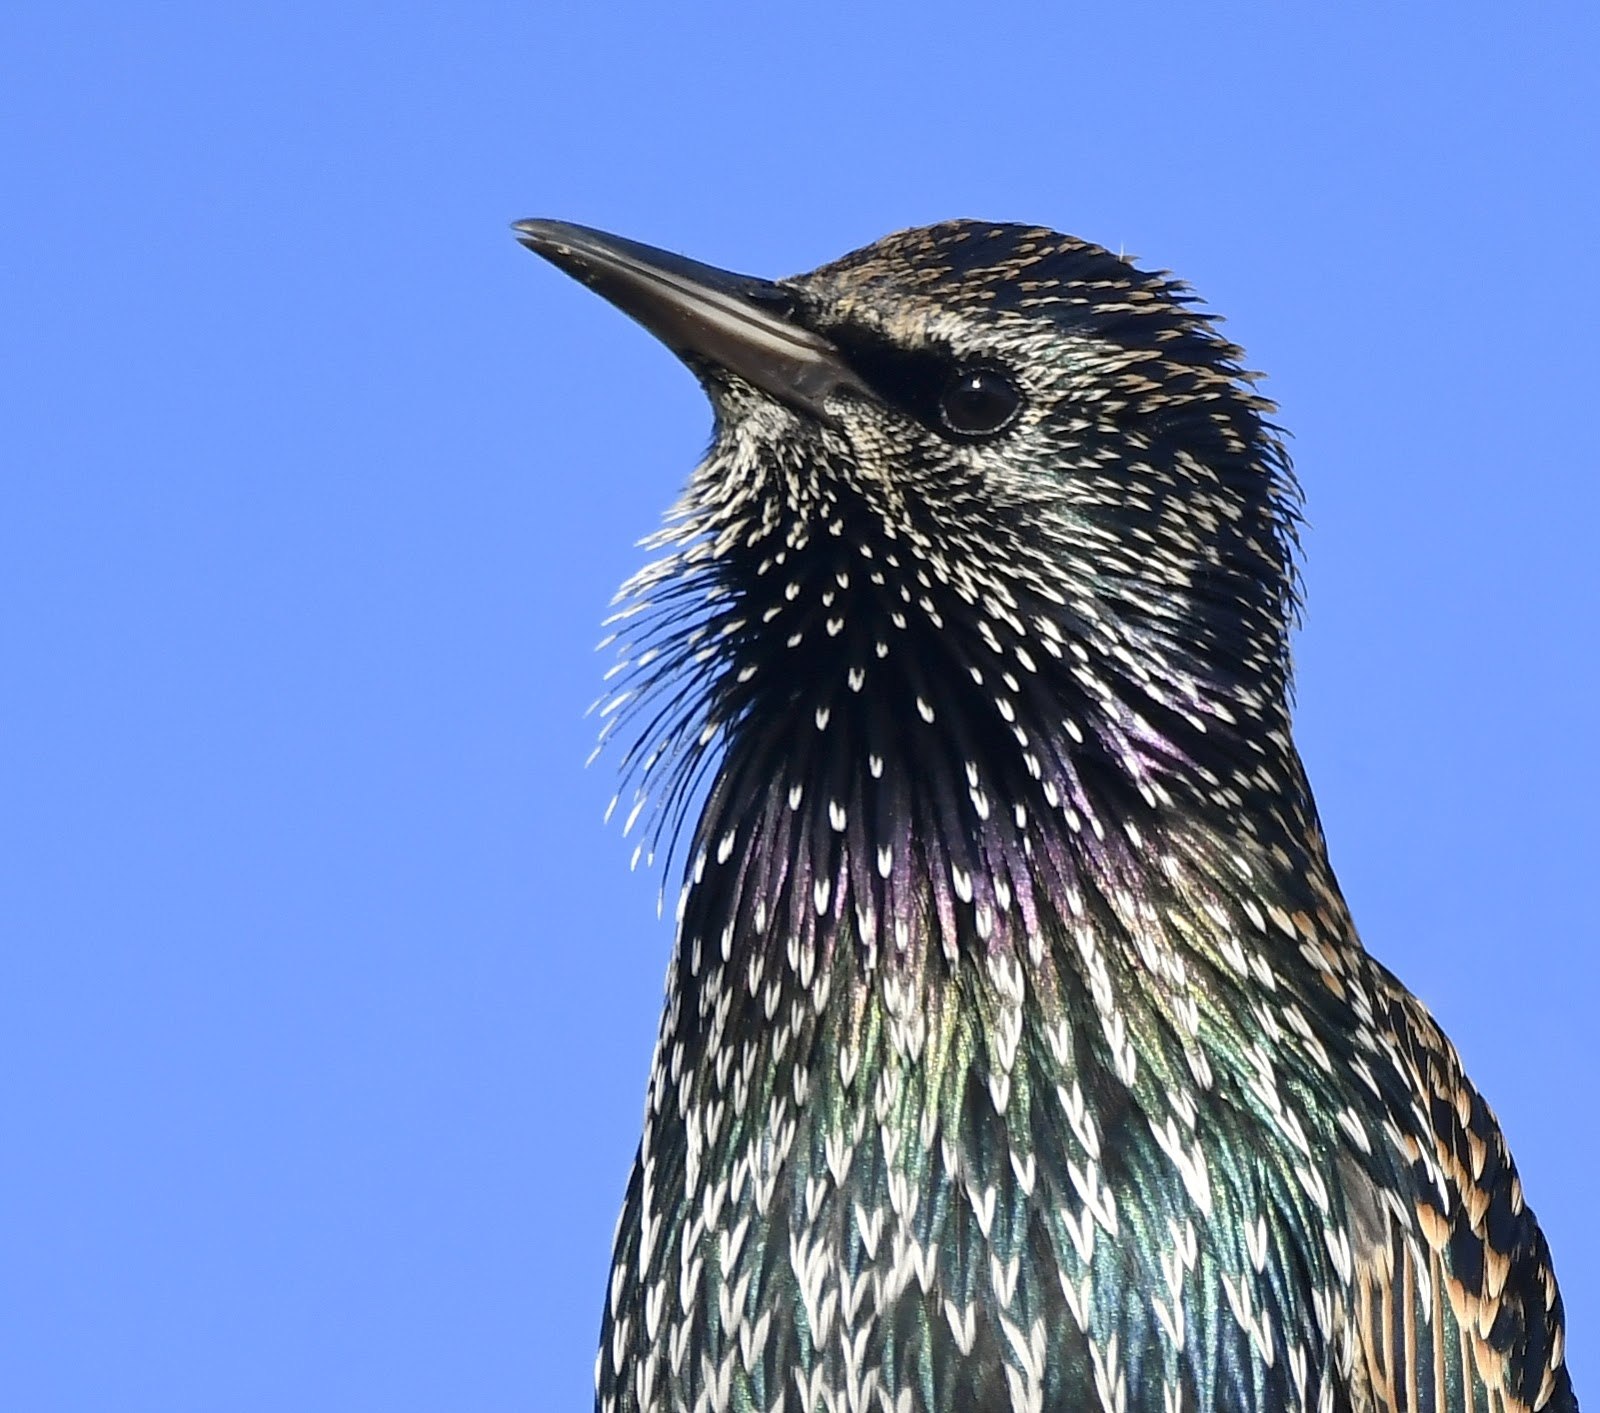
{"type": "Point", "coordinates": [736, 322]}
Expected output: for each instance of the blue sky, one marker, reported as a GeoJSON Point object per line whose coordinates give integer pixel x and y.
{"type": "Point", "coordinates": [328, 998]}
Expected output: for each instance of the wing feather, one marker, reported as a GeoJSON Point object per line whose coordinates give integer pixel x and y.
{"type": "Point", "coordinates": [1456, 1307]}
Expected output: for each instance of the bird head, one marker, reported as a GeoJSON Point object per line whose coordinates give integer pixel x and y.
{"type": "Point", "coordinates": [991, 521]}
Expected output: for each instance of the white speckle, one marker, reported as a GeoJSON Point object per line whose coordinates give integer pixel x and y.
{"type": "Point", "coordinates": [849, 1062]}
{"type": "Point", "coordinates": [1353, 1126]}
{"type": "Point", "coordinates": [856, 678]}
{"type": "Point", "coordinates": [963, 1325]}
{"type": "Point", "coordinates": [836, 816]}
{"type": "Point", "coordinates": [822, 718]}
{"type": "Point", "coordinates": [924, 710]}
{"type": "Point", "coordinates": [983, 1208]}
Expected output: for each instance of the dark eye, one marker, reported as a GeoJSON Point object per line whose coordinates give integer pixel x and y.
{"type": "Point", "coordinates": [978, 401]}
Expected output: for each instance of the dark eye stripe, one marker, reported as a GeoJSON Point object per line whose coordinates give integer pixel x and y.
{"type": "Point", "coordinates": [960, 401]}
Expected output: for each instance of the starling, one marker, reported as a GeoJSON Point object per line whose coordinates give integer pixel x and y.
{"type": "Point", "coordinates": [1019, 1052]}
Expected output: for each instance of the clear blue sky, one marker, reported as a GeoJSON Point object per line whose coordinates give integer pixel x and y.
{"type": "Point", "coordinates": [327, 996]}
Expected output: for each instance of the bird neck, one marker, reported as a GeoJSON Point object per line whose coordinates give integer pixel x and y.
{"type": "Point", "coordinates": [943, 768]}
{"type": "Point", "coordinates": [903, 870]}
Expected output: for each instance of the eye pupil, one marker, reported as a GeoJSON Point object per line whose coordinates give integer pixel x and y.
{"type": "Point", "coordinates": [979, 401]}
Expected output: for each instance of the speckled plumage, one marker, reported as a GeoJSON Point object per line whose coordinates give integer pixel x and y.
{"type": "Point", "coordinates": [1019, 1052]}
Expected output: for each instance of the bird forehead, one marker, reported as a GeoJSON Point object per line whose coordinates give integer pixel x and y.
{"type": "Point", "coordinates": [982, 266]}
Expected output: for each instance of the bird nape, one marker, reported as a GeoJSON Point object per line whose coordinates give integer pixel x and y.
{"type": "Point", "coordinates": [1019, 1052]}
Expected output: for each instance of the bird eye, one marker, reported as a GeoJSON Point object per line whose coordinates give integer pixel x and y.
{"type": "Point", "coordinates": [978, 401]}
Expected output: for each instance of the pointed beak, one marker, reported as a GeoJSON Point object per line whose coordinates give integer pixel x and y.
{"type": "Point", "coordinates": [733, 321]}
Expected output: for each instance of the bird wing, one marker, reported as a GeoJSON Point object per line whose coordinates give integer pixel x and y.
{"type": "Point", "coordinates": [1456, 1302]}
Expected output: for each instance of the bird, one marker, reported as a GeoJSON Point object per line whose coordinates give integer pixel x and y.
{"type": "Point", "coordinates": [1019, 1053]}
